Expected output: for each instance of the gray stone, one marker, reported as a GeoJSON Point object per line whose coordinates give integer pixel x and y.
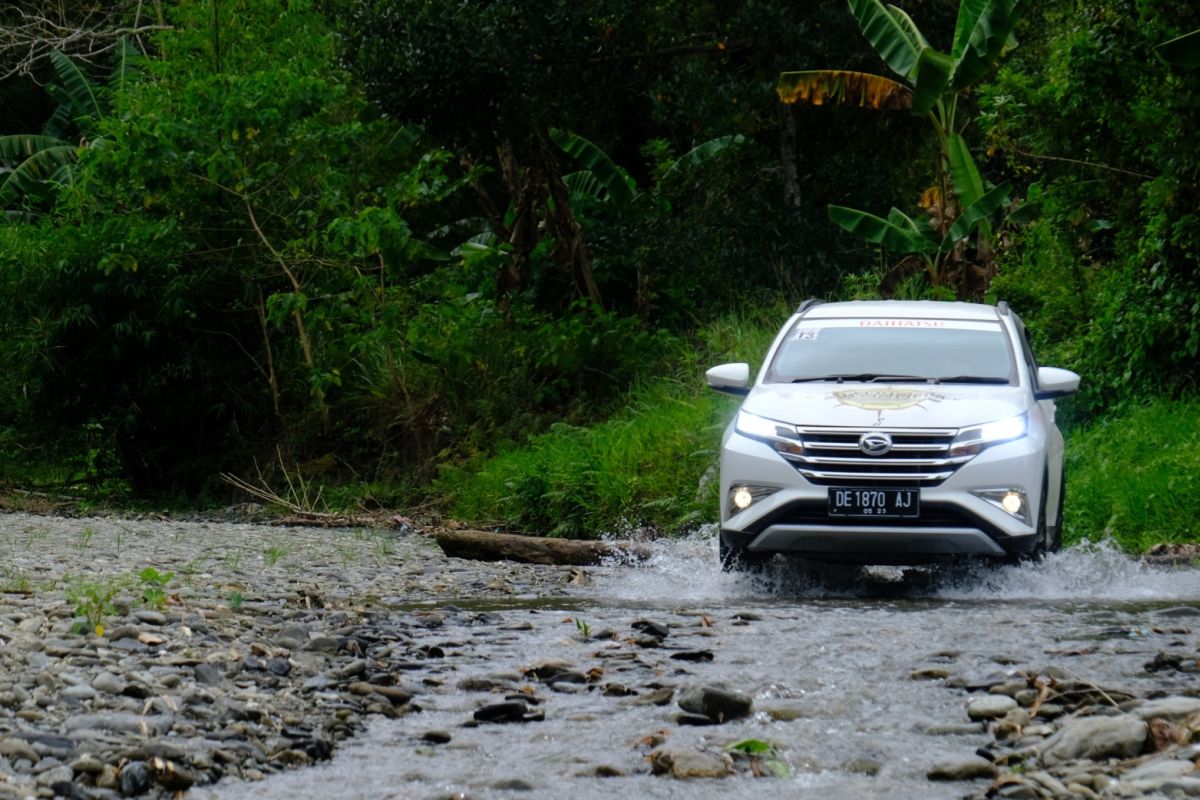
{"type": "Point", "coordinates": [60, 774]}
{"type": "Point", "coordinates": [208, 674]}
{"type": "Point", "coordinates": [150, 617]}
{"type": "Point", "coordinates": [1171, 709]}
{"type": "Point", "coordinates": [1186, 787]}
{"type": "Point", "coordinates": [973, 769]}
{"type": "Point", "coordinates": [690, 762]}
{"type": "Point", "coordinates": [862, 766]}
{"type": "Point", "coordinates": [108, 683]}
{"type": "Point", "coordinates": [1095, 738]}
{"type": "Point", "coordinates": [719, 704]}
{"type": "Point", "coordinates": [1159, 771]}
{"type": "Point", "coordinates": [135, 778]}
{"type": "Point", "coordinates": [16, 749]}
{"type": "Point", "coordinates": [80, 692]}
{"type": "Point", "coordinates": [292, 636]}
{"type": "Point", "coordinates": [930, 674]}
{"type": "Point", "coordinates": [991, 706]}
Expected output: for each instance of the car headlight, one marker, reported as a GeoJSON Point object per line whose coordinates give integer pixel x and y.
{"type": "Point", "coordinates": [972, 441]}
{"type": "Point", "coordinates": [782, 437]}
{"type": "Point", "coordinates": [1011, 501]}
{"type": "Point", "coordinates": [742, 496]}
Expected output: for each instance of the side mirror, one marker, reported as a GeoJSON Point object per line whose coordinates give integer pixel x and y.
{"type": "Point", "coordinates": [1054, 382]}
{"type": "Point", "coordinates": [729, 378]}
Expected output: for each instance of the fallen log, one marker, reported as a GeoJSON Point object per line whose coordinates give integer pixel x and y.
{"type": "Point", "coordinates": [485, 546]}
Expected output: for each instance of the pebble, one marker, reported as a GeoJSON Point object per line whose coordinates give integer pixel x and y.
{"type": "Point", "coordinates": [990, 707]}
{"type": "Point", "coordinates": [719, 705]}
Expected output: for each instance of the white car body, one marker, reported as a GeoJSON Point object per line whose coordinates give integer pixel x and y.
{"type": "Point", "coordinates": [970, 452]}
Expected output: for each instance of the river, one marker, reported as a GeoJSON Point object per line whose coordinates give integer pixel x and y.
{"type": "Point", "coordinates": [830, 665]}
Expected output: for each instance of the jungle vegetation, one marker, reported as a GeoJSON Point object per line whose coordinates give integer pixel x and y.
{"type": "Point", "coordinates": [473, 257]}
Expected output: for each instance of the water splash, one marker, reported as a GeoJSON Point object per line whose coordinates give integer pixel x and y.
{"type": "Point", "coordinates": [686, 571]}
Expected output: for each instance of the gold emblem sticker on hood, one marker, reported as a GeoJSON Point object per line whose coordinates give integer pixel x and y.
{"type": "Point", "coordinates": [881, 400]}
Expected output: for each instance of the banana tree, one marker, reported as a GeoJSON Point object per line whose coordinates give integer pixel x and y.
{"type": "Point", "coordinates": [930, 85]}
{"type": "Point", "coordinates": [33, 166]}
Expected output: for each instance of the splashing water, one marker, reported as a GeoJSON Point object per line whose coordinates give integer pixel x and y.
{"type": "Point", "coordinates": [686, 570]}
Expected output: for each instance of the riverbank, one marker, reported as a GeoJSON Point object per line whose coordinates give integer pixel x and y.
{"type": "Point", "coordinates": [145, 657]}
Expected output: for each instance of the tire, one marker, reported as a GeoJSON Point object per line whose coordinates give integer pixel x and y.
{"type": "Point", "coordinates": [1055, 541]}
{"type": "Point", "coordinates": [738, 559]}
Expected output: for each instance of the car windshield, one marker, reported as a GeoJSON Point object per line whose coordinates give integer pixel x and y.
{"type": "Point", "coordinates": [892, 349]}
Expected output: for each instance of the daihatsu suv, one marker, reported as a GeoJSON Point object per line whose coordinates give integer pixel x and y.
{"type": "Point", "coordinates": [893, 432]}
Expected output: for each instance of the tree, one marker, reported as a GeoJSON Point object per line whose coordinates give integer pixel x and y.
{"type": "Point", "coordinates": [931, 86]}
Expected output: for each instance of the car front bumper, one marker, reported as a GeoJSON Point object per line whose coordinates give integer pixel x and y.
{"type": "Point", "coordinates": [953, 522]}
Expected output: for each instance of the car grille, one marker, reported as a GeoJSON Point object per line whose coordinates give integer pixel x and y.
{"type": "Point", "coordinates": [919, 457]}
{"type": "Point", "coordinates": [933, 515]}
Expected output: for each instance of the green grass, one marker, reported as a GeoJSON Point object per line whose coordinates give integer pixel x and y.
{"type": "Point", "coordinates": [1135, 476]}
{"type": "Point", "coordinates": [642, 467]}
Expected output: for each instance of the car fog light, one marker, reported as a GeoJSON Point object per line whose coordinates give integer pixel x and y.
{"type": "Point", "coordinates": [1010, 501]}
{"type": "Point", "coordinates": [742, 498]}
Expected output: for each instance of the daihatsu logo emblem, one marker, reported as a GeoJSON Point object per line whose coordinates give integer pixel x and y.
{"type": "Point", "coordinates": [875, 444]}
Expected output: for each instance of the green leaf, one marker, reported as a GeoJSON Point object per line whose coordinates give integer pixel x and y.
{"type": "Point", "coordinates": [980, 35]}
{"type": "Point", "coordinates": [85, 104]}
{"type": "Point", "coordinates": [123, 71]}
{"type": "Point", "coordinates": [616, 181]}
{"type": "Point", "coordinates": [909, 27]}
{"type": "Point", "coordinates": [968, 182]}
{"type": "Point", "coordinates": [38, 159]}
{"type": "Point", "coordinates": [887, 35]}
{"type": "Point", "coordinates": [976, 213]}
{"type": "Point", "coordinates": [751, 746]}
{"type": "Point", "coordinates": [932, 78]}
{"type": "Point", "coordinates": [888, 235]}
{"type": "Point", "coordinates": [705, 151]}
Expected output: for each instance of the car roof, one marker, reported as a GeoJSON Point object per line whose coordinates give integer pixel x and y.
{"type": "Point", "coordinates": [902, 309]}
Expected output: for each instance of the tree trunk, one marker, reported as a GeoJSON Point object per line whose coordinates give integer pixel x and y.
{"type": "Point", "coordinates": [787, 157]}
{"type": "Point", "coordinates": [484, 546]}
{"type": "Point", "coordinates": [560, 218]}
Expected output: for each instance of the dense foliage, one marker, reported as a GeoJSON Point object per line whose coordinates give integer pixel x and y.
{"type": "Point", "coordinates": [379, 243]}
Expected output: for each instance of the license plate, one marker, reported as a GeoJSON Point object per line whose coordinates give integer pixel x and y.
{"type": "Point", "coordinates": [875, 503]}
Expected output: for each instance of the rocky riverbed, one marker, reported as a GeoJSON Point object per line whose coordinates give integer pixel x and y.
{"type": "Point", "coordinates": [149, 657]}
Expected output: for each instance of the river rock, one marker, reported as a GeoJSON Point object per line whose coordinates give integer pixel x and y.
{"type": "Point", "coordinates": [973, 769]}
{"type": "Point", "coordinates": [718, 704]}
{"type": "Point", "coordinates": [108, 683]}
{"type": "Point", "coordinates": [135, 778]}
{"type": "Point", "coordinates": [991, 706]}
{"type": "Point", "coordinates": [1171, 709]}
{"type": "Point", "coordinates": [690, 762]}
{"type": "Point", "coordinates": [1095, 738]}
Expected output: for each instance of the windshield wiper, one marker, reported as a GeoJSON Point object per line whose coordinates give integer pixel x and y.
{"type": "Point", "coordinates": [969, 379]}
{"type": "Point", "coordinates": [866, 377]}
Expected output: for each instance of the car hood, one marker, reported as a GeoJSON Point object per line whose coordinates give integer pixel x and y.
{"type": "Point", "coordinates": [865, 405]}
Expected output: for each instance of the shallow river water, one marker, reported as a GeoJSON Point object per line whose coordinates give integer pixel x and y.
{"type": "Point", "coordinates": [830, 666]}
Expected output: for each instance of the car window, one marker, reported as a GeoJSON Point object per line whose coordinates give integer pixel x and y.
{"type": "Point", "coordinates": [925, 348]}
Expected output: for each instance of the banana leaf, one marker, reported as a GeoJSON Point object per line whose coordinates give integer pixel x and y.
{"type": "Point", "coordinates": [976, 213]}
{"type": "Point", "coordinates": [980, 34]}
{"type": "Point", "coordinates": [887, 35]}
{"type": "Point", "coordinates": [968, 182]}
{"type": "Point", "coordinates": [35, 160]}
{"type": "Point", "coordinates": [820, 86]}
{"type": "Point", "coordinates": [932, 77]}
{"type": "Point", "coordinates": [701, 153]}
{"type": "Point", "coordinates": [886, 234]}
{"type": "Point", "coordinates": [82, 91]}
{"type": "Point", "coordinates": [620, 185]}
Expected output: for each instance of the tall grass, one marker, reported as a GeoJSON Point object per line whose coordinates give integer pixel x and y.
{"type": "Point", "coordinates": [1135, 476]}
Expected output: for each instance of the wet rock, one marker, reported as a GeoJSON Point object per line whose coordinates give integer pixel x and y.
{"type": "Point", "coordinates": [1178, 611]}
{"type": "Point", "coordinates": [718, 704]}
{"type": "Point", "coordinates": [657, 697]}
{"type": "Point", "coordinates": [648, 627]}
{"type": "Point", "coordinates": [1095, 738]}
{"type": "Point", "coordinates": [135, 778]}
{"type": "Point", "coordinates": [507, 711]}
{"type": "Point", "coordinates": [862, 766]}
{"type": "Point", "coordinates": [973, 769]}
{"type": "Point", "coordinates": [488, 684]}
{"type": "Point", "coordinates": [930, 674]}
{"type": "Point", "coordinates": [689, 762]}
{"type": "Point", "coordinates": [694, 720]}
{"type": "Point", "coordinates": [513, 785]}
{"type": "Point", "coordinates": [696, 656]}
{"type": "Point", "coordinates": [785, 712]}
{"type": "Point", "coordinates": [436, 737]}
{"type": "Point", "coordinates": [990, 707]}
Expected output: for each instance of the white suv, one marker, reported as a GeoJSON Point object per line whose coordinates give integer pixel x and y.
{"type": "Point", "coordinates": [893, 432]}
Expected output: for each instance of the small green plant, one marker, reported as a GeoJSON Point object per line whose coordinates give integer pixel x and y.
{"type": "Point", "coordinates": [84, 540]}
{"type": "Point", "coordinates": [236, 600]}
{"type": "Point", "coordinates": [154, 587]}
{"type": "Point", "coordinates": [347, 554]}
{"type": "Point", "coordinates": [585, 630]}
{"type": "Point", "coordinates": [233, 561]}
{"type": "Point", "coordinates": [383, 547]}
{"type": "Point", "coordinates": [274, 553]}
{"type": "Point", "coordinates": [93, 600]}
{"type": "Point", "coordinates": [763, 755]}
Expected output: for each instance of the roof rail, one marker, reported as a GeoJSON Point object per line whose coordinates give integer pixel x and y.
{"type": "Point", "coordinates": [1002, 308]}
{"type": "Point", "coordinates": [807, 304]}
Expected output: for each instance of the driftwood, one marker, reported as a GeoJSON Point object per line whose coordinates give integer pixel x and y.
{"type": "Point", "coordinates": [485, 546]}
